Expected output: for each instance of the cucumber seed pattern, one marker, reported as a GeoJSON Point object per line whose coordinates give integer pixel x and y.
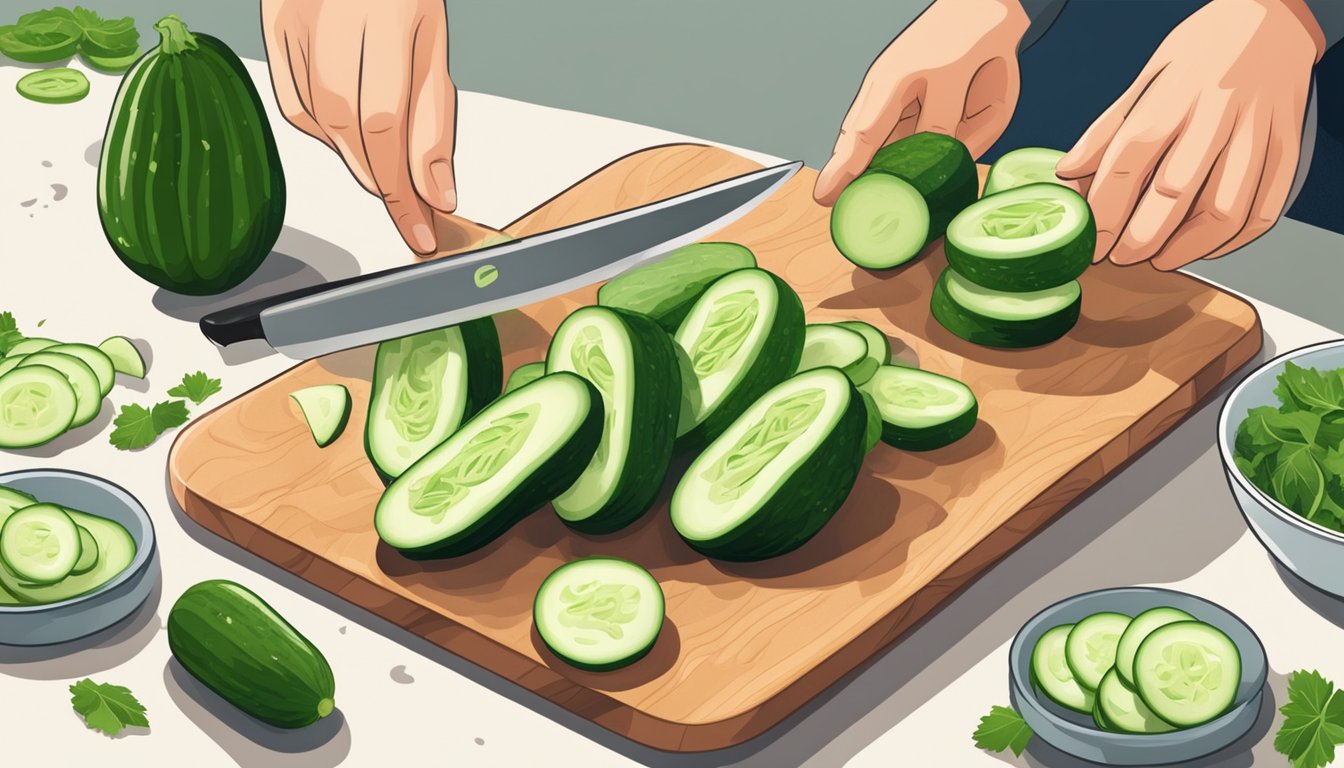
{"type": "Point", "coordinates": [599, 606]}
{"type": "Point", "coordinates": [782, 423]}
{"type": "Point", "coordinates": [1023, 219]}
{"type": "Point", "coordinates": [417, 386]}
{"type": "Point", "coordinates": [729, 323]}
{"type": "Point", "coordinates": [478, 461]}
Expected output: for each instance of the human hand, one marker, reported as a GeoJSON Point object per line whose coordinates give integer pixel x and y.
{"type": "Point", "coordinates": [953, 70]}
{"type": "Point", "coordinates": [1197, 158]}
{"type": "Point", "coordinates": [370, 80]}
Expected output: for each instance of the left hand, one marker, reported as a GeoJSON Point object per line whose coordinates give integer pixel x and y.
{"type": "Point", "coordinates": [1197, 158]}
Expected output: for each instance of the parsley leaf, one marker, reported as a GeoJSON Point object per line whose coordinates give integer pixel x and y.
{"type": "Point", "coordinates": [1307, 389]}
{"type": "Point", "coordinates": [9, 333]}
{"type": "Point", "coordinates": [1002, 729]}
{"type": "Point", "coordinates": [169, 414]}
{"type": "Point", "coordinates": [138, 427]}
{"type": "Point", "coordinates": [1313, 721]}
{"type": "Point", "coordinates": [107, 708]}
{"type": "Point", "coordinates": [196, 387]}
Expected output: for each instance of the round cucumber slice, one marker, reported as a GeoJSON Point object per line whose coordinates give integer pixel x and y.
{"type": "Point", "coordinates": [525, 374]}
{"type": "Point", "coordinates": [599, 613]}
{"type": "Point", "coordinates": [10, 363]}
{"type": "Point", "coordinates": [1090, 648]}
{"type": "Point", "coordinates": [1187, 672]}
{"type": "Point", "coordinates": [1052, 674]}
{"type": "Point", "coordinates": [40, 544]}
{"type": "Point", "coordinates": [124, 356]}
{"type": "Point", "coordinates": [37, 404]}
{"type": "Point", "coordinates": [879, 221]}
{"type": "Point", "coordinates": [879, 350]}
{"type": "Point", "coordinates": [1002, 319]}
{"type": "Point", "coordinates": [326, 409]}
{"type": "Point", "coordinates": [826, 344]}
{"type": "Point", "coordinates": [29, 346]}
{"type": "Point", "coordinates": [1120, 709]}
{"type": "Point", "coordinates": [59, 85]}
{"type": "Point", "coordinates": [88, 552]}
{"type": "Point", "coordinates": [98, 362]}
{"type": "Point", "coordinates": [12, 501]}
{"type": "Point", "coordinates": [1025, 239]}
{"type": "Point", "coordinates": [88, 395]}
{"type": "Point", "coordinates": [1028, 165]}
{"type": "Point", "coordinates": [920, 410]}
{"type": "Point", "coordinates": [116, 550]}
{"type": "Point", "coordinates": [1134, 634]}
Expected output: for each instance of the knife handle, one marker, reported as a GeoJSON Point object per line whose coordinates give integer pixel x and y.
{"type": "Point", "coordinates": [242, 322]}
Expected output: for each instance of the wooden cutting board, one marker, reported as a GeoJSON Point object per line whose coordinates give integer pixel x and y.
{"type": "Point", "coordinates": [744, 645]}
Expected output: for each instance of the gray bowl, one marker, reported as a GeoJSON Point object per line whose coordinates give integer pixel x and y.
{"type": "Point", "coordinates": [1313, 552]}
{"type": "Point", "coordinates": [110, 603]}
{"type": "Point", "coordinates": [1077, 735]}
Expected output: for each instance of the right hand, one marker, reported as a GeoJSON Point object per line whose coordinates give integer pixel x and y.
{"type": "Point", "coordinates": [369, 78]}
{"type": "Point", "coordinates": [953, 70]}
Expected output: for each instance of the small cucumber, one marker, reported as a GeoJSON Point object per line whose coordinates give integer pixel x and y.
{"type": "Point", "coordinates": [59, 85]}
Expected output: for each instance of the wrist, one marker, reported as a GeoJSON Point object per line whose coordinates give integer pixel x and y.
{"type": "Point", "coordinates": [1302, 14]}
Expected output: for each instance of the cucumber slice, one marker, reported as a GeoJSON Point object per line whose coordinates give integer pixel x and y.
{"type": "Point", "coordinates": [124, 356]}
{"type": "Point", "coordinates": [37, 404]}
{"type": "Point", "coordinates": [632, 362]}
{"type": "Point", "coordinates": [59, 85]}
{"type": "Point", "coordinates": [326, 408]}
{"type": "Point", "coordinates": [29, 346]}
{"type": "Point", "coordinates": [825, 344]}
{"type": "Point", "coordinates": [88, 552]}
{"type": "Point", "coordinates": [116, 550]}
{"type": "Point", "coordinates": [921, 411]}
{"type": "Point", "coordinates": [40, 544]}
{"type": "Point", "coordinates": [1020, 167]}
{"type": "Point", "coordinates": [743, 336]}
{"type": "Point", "coordinates": [98, 362]}
{"type": "Point", "coordinates": [10, 363]}
{"type": "Point", "coordinates": [424, 387]}
{"type": "Point", "coordinates": [1025, 239]}
{"type": "Point", "coordinates": [599, 613]}
{"type": "Point", "coordinates": [778, 473]}
{"type": "Point", "coordinates": [12, 500]}
{"type": "Point", "coordinates": [111, 64]}
{"type": "Point", "coordinates": [1187, 672]}
{"type": "Point", "coordinates": [1098, 716]}
{"type": "Point", "coordinates": [525, 374]}
{"type": "Point", "coordinates": [939, 167]}
{"type": "Point", "coordinates": [1052, 675]}
{"type": "Point", "coordinates": [1090, 648]}
{"type": "Point", "coordinates": [505, 463]}
{"type": "Point", "coordinates": [1122, 710]}
{"type": "Point", "coordinates": [1001, 319]}
{"type": "Point", "coordinates": [1134, 634]}
{"type": "Point", "coordinates": [88, 395]}
{"type": "Point", "coordinates": [666, 289]}
{"type": "Point", "coordinates": [879, 349]}
{"type": "Point", "coordinates": [879, 221]}
{"type": "Point", "coordinates": [872, 433]}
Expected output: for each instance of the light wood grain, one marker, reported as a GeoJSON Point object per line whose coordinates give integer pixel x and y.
{"type": "Point", "coordinates": [744, 644]}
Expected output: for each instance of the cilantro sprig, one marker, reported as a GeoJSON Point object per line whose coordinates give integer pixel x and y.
{"type": "Point", "coordinates": [1313, 721]}
{"type": "Point", "coordinates": [138, 427]}
{"type": "Point", "coordinates": [196, 387]}
{"type": "Point", "coordinates": [109, 709]}
{"type": "Point", "coordinates": [1002, 729]}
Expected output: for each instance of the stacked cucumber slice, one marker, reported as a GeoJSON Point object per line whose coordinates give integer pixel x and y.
{"type": "Point", "coordinates": [1156, 672]}
{"type": "Point", "coordinates": [49, 553]}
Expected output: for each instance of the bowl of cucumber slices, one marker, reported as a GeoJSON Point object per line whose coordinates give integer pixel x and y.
{"type": "Point", "coordinates": [77, 555]}
{"type": "Point", "coordinates": [1137, 676]}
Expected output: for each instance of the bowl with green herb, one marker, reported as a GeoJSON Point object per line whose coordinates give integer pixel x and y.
{"type": "Point", "coordinates": [1281, 438]}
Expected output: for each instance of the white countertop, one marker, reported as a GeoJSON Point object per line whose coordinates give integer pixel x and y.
{"type": "Point", "coordinates": [1168, 519]}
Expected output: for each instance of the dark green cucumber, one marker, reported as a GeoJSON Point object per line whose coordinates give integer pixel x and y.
{"type": "Point", "coordinates": [1028, 238]}
{"type": "Point", "coordinates": [666, 289]}
{"type": "Point", "coordinates": [191, 194]}
{"type": "Point", "coordinates": [939, 167]}
{"type": "Point", "coordinates": [1003, 319]}
{"type": "Point", "coordinates": [239, 647]}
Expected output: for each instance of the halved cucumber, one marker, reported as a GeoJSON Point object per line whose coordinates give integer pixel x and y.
{"type": "Point", "coordinates": [525, 374]}
{"type": "Point", "coordinates": [424, 387]}
{"type": "Point", "coordinates": [88, 394]}
{"type": "Point", "coordinates": [1090, 648]}
{"type": "Point", "coordinates": [1187, 672]}
{"type": "Point", "coordinates": [30, 345]}
{"type": "Point", "coordinates": [88, 552]}
{"type": "Point", "coordinates": [1052, 675]}
{"type": "Point", "coordinates": [96, 359]}
{"type": "Point", "coordinates": [666, 289]}
{"type": "Point", "coordinates": [743, 336]}
{"type": "Point", "coordinates": [879, 349]}
{"type": "Point", "coordinates": [1028, 165]}
{"type": "Point", "coordinates": [1025, 239]}
{"type": "Point", "coordinates": [632, 362]}
{"type": "Point", "coordinates": [37, 404]}
{"type": "Point", "coordinates": [880, 221]}
{"type": "Point", "coordinates": [1134, 634]}
{"type": "Point", "coordinates": [326, 408]}
{"type": "Point", "coordinates": [116, 550]}
{"type": "Point", "coordinates": [1002, 319]}
{"type": "Point", "coordinates": [920, 410]}
{"type": "Point", "coordinates": [1121, 709]}
{"type": "Point", "coordinates": [599, 613]}
{"type": "Point", "coordinates": [40, 544]}
{"type": "Point", "coordinates": [778, 473]}
{"type": "Point", "coordinates": [827, 344]}
{"type": "Point", "coordinates": [125, 357]}
{"type": "Point", "coordinates": [518, 453]}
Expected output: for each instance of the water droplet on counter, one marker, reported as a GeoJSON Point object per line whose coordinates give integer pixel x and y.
{"type": "Point", "coordinates": [58, 192]}
{"type": "Point", "coordinates": [28, 203]}
{"type": "Point", "coordinates": [341, 630]}
{"type": "Point", "coordinates": [398, 675]}
{"type": "Point", "coordinates": [480, 741]}
{"type": "Point", "coordinates": [46, 163]}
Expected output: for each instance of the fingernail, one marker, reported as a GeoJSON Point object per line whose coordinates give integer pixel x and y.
{"type": "Point", "coordinates": [1105, 241]}
{"type": "Point", "coordinates": [423, 237]}
{"type": "Point", "coordinates": [441, 172]}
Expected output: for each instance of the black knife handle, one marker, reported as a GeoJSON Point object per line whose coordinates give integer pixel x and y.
{"type": "Point", "coordinates": [242, 322]}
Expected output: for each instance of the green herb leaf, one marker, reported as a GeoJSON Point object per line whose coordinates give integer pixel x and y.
{"type": "Point", "coordinates": [9, 333]}
{"type": "Point", "coordinates": [196, 387]}
{"type": "Point", "coordinates": [138, 427]}
{"type": "Point", "coordinates": [107, 708]}
{"type": "Point", "coordinates": [1313, 721]}
{"type": "Point", "coordinates": [170, 414]}
{"type": "Point", "coordinates": [1002, 729]}
{"type": "Point", "coordinates": [1307, 389]}
{"type": "Point", "coordinates": [1297, 480]}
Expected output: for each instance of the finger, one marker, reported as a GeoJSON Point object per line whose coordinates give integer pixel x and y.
{"type": "Point", "coordinates": [1125, 169]}
{"type": "Point", "coordinates": [871, 118]}
{"type": "Point", "coordinates": [433, 117]}
{"type": "Point", "coordinates": [1281, 156]}
{"type": "Point", "coordinates": [284, 84]}
{"type": "Point", "coordinates": [1084, 158]}
{"type": "Point", "coordinates": [990, 100]}
{"type": "Point", "coordinates": [1178, 179]}
{"type": "Point", "coordinates": [336, 56]}
{"type": "Point", "coordinates": [384, 103]}
{"type": "Point", "coordinates": [941, 108]}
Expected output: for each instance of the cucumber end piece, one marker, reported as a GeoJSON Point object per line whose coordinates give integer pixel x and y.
{"type": "Point", "coordinates": [325, 707]}
{"type": "Point", "coordinates": [126, 359]}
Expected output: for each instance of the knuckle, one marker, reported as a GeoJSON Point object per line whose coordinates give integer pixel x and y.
{"type": "Point", "coordinates": [1166, 185]}
{"type": "Point", "coordinates": [380, 123]}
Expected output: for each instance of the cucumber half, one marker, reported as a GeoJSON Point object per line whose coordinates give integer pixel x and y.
{"type": "Point", "coordinates": [1028, 165]}
{"type": "Point", "coordinates": [920, 410]}
{"type": "Point", "coordinates": [326, 409]}
{"type": "Point", "coordinates": [1002, 319]}
{"type": "Point", "coordinates": [518, 453]}
{"type": "Point", "coordinates": [40, 544]}
{"type": "Point", "coordinates": [525, 374]}
{"type": "Point", "coordinates": [666, 289]}
{"type": "Point", "coordinates": [599, 613]}
{"type": "Point", "coordinates": [88, 395]}
{"type": "Point", "coordinates": [880, 221]}
{"type": "Point", "coordinates": [1187, 672]}
{"type": "Point", "coordinates": [1052, 674]}
{"type": "Point", "coordinates": [1134, 634]}
{"type": "Point", "coordinates": [778, 473]}
{"type": "Point", "coordinates": [37, 404]}
{"type": "Point", "coordinates": [1121, 709]}
{"type": "Point", "coordinates": [1025, 239]}
{"type": "Point", "coordinates": [843, 348]}
{"type": "Point", "coordinates": [1090, 648]}
{"type": "Point", "coordinates": [124, 356]}
{"type": "Point", "coordinates": [632, 362]}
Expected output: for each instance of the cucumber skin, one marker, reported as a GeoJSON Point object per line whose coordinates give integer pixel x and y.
{"type": "Point", "coordinates": [254, 663]}
{"type": "Point", "coordinates": [992, 332]}
{"type": "Point", "coordinates": [806, 501]}
{"type": "Point", "coordinates": [1050, 269]}
{"type": "Point", "coordinates": [778, 360]}
{"type": "Point", "coordinates": [680, 279]}
{"type": "Point", "coordinates": [939, 167]}
{"type": "Point", "coordinates": [657, 406]}
{"type": "Point", "coordinates": [208, 236]}
{"type": "Point", "coordinates": [930, 438]}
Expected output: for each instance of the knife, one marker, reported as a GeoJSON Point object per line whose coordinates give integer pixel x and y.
{"type": "Point", "coordinates": [400, 301]}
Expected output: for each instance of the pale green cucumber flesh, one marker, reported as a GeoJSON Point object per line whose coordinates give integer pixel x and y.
{"type": "Point", "coordinates": [1052, 675]}
{"type": "Point", "coordinates": [1090, 648]}
{"type": "Point", "coordinates": [827, 344]}
{"type": "Point", "coordinates": [525, 374]}
{"type": "Point", "coordinates": [40, 543]}
{"type": "Point", "coordinates": [96, 359]}
{"type": "Point", "coordinates": [599, 613]}
{"type": "Point", "coordinates": [116, 550]}
{"type": "Point", "coordinates": [1026, 165]}
{"type": "Point", "coordinates": [37, 404]}
{"type": "Point", "coordinates": [879, 221]}
{"type": "Point", "coordinates": [1137, 630]}
{"type": "Point", "coordinates": [88, 552]}
{"type": "Point", "coordinates": [1122, 710]}
{"type": "Point", "coordinates": [88, 395]}
{"type": "Point", "coordinates": [879, 350]}
{"type": "Point", "coordinates": [1187, 672]}
{"type": "Point", "coordinates": [921, 410]}
{"type": "Point", "coordinates": [126, 359]}
{"type": "Point", "coordinates": [326, 409]}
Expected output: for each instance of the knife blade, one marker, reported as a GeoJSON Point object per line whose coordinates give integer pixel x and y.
{"type": "Point", "coordinates": [400, 301]}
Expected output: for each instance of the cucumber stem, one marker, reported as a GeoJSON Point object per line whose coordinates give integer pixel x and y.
{"type": "Point", "coordinates": [174, 37]}
{"type": "Point", "coordinates": [324, 707]}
